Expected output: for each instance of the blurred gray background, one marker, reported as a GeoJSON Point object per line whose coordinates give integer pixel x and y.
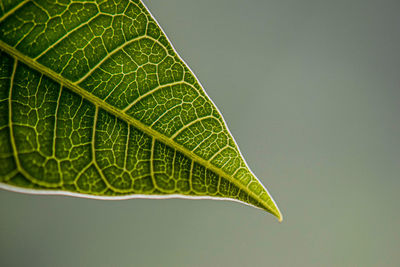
{"type": "Point", "coordinates": [311, 92]}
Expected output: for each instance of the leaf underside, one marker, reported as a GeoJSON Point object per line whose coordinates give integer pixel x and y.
{"type": "Point", "coordinates": [94, 101]}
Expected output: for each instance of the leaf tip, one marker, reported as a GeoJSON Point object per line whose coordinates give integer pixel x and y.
{"type": "Point", "coordinates": [276, 212]}
{"type": "Point", "coordinates": [272, 208]}
{"type": "Point", "coordinates": [280, 218]}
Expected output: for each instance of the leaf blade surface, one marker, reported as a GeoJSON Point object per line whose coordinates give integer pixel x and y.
{"type": "Point", "coordinates": [97, 102]}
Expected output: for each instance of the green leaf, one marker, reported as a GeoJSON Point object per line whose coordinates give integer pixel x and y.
{"type": "Point", "coordinates": [95, 102]}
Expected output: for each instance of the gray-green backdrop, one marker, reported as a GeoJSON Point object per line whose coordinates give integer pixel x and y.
{"type": "Point", "coordinates": [311, 91]}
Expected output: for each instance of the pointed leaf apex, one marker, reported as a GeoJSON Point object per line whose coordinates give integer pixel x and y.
{"type": "Point", "coordinates": [272, 208]}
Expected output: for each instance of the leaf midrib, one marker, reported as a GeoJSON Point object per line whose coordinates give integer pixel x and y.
{"type": "Point", "coordinates": [128, 119]}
